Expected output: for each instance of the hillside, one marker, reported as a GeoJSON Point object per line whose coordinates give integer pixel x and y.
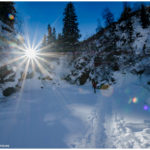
{"type": "Point", "coordinates": [114, 49]}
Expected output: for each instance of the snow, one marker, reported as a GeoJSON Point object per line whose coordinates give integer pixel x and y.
{"type": "Point", "coordinates": [64, 115]}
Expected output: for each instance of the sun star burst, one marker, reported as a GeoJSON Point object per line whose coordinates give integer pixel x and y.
{"type": "Point", "coordinates": [29, 58]}
{"type": "Point", "coordinates": [31, 53]}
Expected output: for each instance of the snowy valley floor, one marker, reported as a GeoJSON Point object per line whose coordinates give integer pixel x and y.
{"type": "Point", "coordinates": [63, 115]}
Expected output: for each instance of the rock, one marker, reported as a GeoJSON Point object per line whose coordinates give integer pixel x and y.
{"type": "Point", "coordinates": [148, 82]}
{"type": "Point", "coordinates": [116, 67]}
{"type": "Point", "coordinates": [8, 91]}
{"type": "Point", "coordinates": [47, 78]}
{"type": "Point", "coordinates": [83, 78]}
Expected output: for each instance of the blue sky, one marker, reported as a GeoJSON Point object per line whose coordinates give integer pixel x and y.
{"type": "Point", "coordinates": [35, 16]}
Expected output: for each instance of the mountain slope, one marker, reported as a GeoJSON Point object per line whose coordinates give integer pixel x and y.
{"type": "Point", "coordinates": [112, 50]}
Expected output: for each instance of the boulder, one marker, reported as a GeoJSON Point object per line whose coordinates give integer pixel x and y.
{"type": "Point", "coordinates": [8, 91]}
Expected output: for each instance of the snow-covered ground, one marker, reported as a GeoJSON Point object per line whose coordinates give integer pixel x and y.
{"type": "Point", "coordinates": [63, 115]}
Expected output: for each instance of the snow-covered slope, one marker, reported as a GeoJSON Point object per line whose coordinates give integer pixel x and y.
{"type": "Point", "coordinates": [10, 73]}
{"type": "Point", "coordinates": [62, 116]}
{"type": "Point", "coordinates": [112, 51]}
{"type": "Point", "coordinates": [8, 41]}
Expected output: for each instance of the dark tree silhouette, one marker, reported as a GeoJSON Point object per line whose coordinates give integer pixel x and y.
{"type": "Point", "coordinates": [144, 17]}
{"type": "Point", "coordinates": [54, 34]}
{"type": "Point", "coordinates": [126, 17]}
{"type": "Point", "coordinates": [6, 9]}
{"type": "Point", "coordinates": [59, 42]}
{"type": "Point", "coordinates": [129, 28]}
{"type": "Point", "coordinates": [126, 12]}
{"type": "Point", "coordinates": [50, 36]}
{"type": "Point", "coordinates": [108, 17]}
{"type": "Point", "coordinates": [70, 28]}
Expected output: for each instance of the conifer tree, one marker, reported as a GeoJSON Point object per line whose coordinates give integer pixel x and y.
{"type": "Point", "coordinates": [108, 16]}
{"type": "Point", "coordinates": [54, 34]}
{"type": "Point", "coordinates": [59, 36]}
{"type": "Point", "coordinates": [126, 17]}
{"type": "Point", "coordinates": [129, 27]}
{"type": "Point", "coordinates": [70, 27]}
{"type": "Point", "coordinates": [49, 37]}
{"type": "Point", "coordinates": [144, 17]}
{"type": "Point", "coordinates": [126, 12]}
{"type": "Point", "coordinates": [7, 9]}
{"type": "Point", "coordinates": [59, 41]}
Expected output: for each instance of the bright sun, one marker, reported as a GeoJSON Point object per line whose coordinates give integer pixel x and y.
{"type": "Point", "coordinates": [31, 53]}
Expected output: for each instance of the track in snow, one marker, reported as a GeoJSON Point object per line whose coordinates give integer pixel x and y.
{"type": "Point", "coordinates": [67, 116]}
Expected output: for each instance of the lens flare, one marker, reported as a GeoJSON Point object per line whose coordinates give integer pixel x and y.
{"type": "Point", "coordinates": [11, 17]}
{"type": "Point", "coordinates": [134, 100]}
{"type": "Point", "coordinates": [107, 92]}
{"type": "Point", "coordinates": [145, 107]}
{"type": "Point", "coordinates": [130, 101]}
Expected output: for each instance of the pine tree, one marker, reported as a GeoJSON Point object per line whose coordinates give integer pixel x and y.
{"type": "Point", "coordinates": [6, 9]}
{"type": "Point", "coordinates": [59, 42]}
{"type": "Point", "coordinates": [108, 17]}
{"type": "Point", "coordinates": [144, 17]}
{"type": "Point", "coordinates": [126, 12]}
{"type": "Point", "coordinates": [54, 34]}
{"type": "Point", "coordinates": [70, 28]}
{"type": "Point", "coordinates": [49, 37]}
{"type": "Point", "coordinates": [59, 36]}
{"type": "Point", "coordinates": [99, 26]}
{"type": "Point", "coordinates": [126, 17]}
{"type": "Point", "coordinates": [129, 27]}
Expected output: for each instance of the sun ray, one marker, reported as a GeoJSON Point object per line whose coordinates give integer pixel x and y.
{"type": "Point", "coordinates": [28, 46]}
{"type": "Point", "coordinates": [14, 45]}
{"type": "Point", "coordinates": [43, 71]}
{"type": "Point", "coordinates": [48, 54]}
{"type": "Point", "coordinates": [56, 20]}
{"type": "Point", "coordinates": [33, 66]}
{"type": "Point", "coordinates": [34, 38]}
{"type": "Point", "coordinates": [21, 40]}
{"type": "Point", "coordinates": [5, 53]}
{"type": "Point", "coordinates": [40, 67]}
{"type": "Point", "coordinates": [44, 48]}
{"type": "Point", "coordinates": [45, 61]}
{"type": "Point", "coordinates": [21, 48]}
{"type": "Point", "coordinates": [21, 64]}
{"type": "Point", "coordinates": [22, 85]}
{"type": "Point", "coordinates": [42, 59]}
{"type": "Point", "coordinates": [38, 45]}
{"type": "Point", "coordinates": [14, 60]}
{"type": "Point", "coordinates": [25, 74]}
